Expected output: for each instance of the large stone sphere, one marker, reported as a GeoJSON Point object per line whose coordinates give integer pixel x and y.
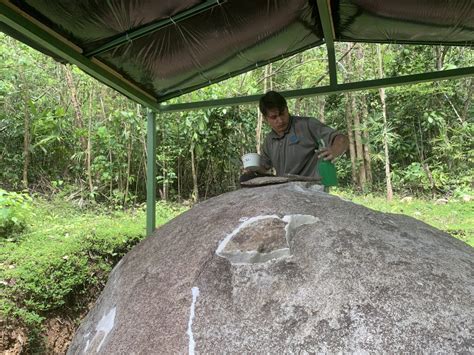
{"type": "Point", "coordinates": [286, 269]}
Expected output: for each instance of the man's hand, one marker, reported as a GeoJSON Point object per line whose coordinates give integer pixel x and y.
{"type": "Point", "coordinates": [259, 170]}
{"type": "Point", "coordinates": [327, 154]}
{"type": "Point", "coordinates": [338, 147]}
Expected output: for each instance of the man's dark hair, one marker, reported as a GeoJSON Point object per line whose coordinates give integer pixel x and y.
{"type": "Point", "coordinates": [272, 100]}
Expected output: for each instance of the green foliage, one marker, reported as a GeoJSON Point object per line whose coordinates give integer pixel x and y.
{"type": "Point", "coordinates": [14, 211]}
{"type": "Point", "coordinates": [412, 178]}
{"type": "Point", "coordinates": [98, 149]}
{"type": "Point", "coordinates": [66, 253]}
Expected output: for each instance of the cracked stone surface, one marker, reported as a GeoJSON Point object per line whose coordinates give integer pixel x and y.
{"type": "Point", "coordinates": [256, 241]}
{"type": "Point", "coordinates": [352, 280]}
{"type": "Point", "coordinates": [263, 236]}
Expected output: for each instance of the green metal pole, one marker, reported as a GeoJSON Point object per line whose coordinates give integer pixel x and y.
{"type": "Point", "coordinates": [328, 31]}
{"type": "Point", "coordinates": [150, 173]}
{"type": "Point", "coordinates": [326, 90]}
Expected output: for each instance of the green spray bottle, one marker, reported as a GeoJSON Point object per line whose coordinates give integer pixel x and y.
{"type": "Point", "coordinates": [327, 171]}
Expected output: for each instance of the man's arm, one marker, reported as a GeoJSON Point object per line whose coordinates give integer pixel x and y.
{"type": "Point", "coordinates": [339, 146]}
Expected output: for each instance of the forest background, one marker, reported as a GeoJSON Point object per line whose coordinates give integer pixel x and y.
{"type": "Point", "coordinates": [60, 128]}
{"type": "Point", "coordinates": [66, 137]}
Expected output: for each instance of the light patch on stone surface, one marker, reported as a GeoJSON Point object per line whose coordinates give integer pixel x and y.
{"type": "Point", "coordinates": [316, 187]}
{"type": "Point", "coordinates": [297, 220]}
{"type": "Point", "coordinates": [299, 188]}
{"type": "Point", "coordinates": [262, 238]}
{"type": "Point", "coordinates": [192, 344]}
{"type": "Point", "coordinates": [105, 326]}
{"type": "Point", "coordinates": [307, 188]}
{"type": "Point", "coordinates": [88, 341]}
{"type": "Point", "coordinates": [119, 263]}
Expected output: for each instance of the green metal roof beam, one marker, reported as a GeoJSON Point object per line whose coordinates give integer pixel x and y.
{"type": "Point", "coordinates": [327, 90]}
{"type": "Point", "coordinates": [328, 31]}
{"type": "Point", "coordinates": [143, 31]}
{"type": "Point", "coordinates": [38, 35]}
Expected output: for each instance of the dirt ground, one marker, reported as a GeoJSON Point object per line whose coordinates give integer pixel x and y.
{"type": "Point", "coordinates": [12, 341]}
{"type": "Point", "coordinates": [57, 336]}
{"type": "Point", "coordinates": [58, 331]}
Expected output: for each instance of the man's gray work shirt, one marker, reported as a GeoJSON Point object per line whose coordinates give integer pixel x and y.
{"type": "Point", "coordinates": [295, 151]}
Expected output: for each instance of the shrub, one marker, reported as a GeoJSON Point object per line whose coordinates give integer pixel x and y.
{"type": "Point", "coordinates": [14, 210]}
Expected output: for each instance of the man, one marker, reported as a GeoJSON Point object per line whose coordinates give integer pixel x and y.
{"type": "Point", "coordinates": [295, 143]}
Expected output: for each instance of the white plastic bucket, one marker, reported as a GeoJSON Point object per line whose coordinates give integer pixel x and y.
{"type": "Point", "coordinates": [251, 161]}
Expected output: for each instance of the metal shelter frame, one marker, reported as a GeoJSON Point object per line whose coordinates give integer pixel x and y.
{"type": "Point", "coordinates": [39, 34]}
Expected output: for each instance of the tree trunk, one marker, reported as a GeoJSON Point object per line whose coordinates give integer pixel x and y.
{"type": "Point", "coordinates": [129, 164]}
{"type": "Point", "coordinates": [109, 148]}
{"type": "Point", "coordinates": [441, 52]}
{"type": "Point", "coordinates": [361, 177]}
{"type": "Point", "coordinates": [385, 129]}
{"type": "Point", "coordinates": [467, 103]}
{"type": "Point", "coordinates": [258, 132]}
{"type": "Point", "coordinates": [270, 76]}
{"type": "Point", "coordinates": [178, 174]}
{"type": "Point", "coordinates": [350, 135]}
{"type": "Point", "coordinates": [349, 119]}
{"type": "Point", "coordinates": [78, 122]}
{"type": "Point", "coordinates": [299, 84]}
{"type": "Point", "coordinates": [267, 85]}
{"type": "Point", "coordinates": [165, 167]}
{"type": "Point", "coordinates": [421, 153]}
{"type": "Point", "coordinates": [365, 171]}
{"type": "Point", "coordinates": [26, 147]}
{"type": "Point", "coordinates": [321, 104]}
{"type": "Point", "coordinates": [195, 195]}
{"type": "Point", "coordinates": [427, 170]}
{"type": "Point", "coordinates": [25, 93]}
{"type": "Point", "coordinates": [89, 146]}
{"type": "Point", "coordinates": [180, 169]}
{"type": "Point", "coordinates": [366, 141]}
{"type": "Point", "coordinates": [208, 177]}
{"type": "Point", "coordinates": [145, 160]}
{"type": "Point", "coordinates": [137, 173]}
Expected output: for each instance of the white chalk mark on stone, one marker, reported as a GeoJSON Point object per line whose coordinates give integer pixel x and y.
{"type": "Point", "coordinates": [222, 244]}
{"type": "Point", "coordinates": [105, 326]}
{"type": "Point", "coordinates": [296, 220]}
{"type": "Point", "coordinates": [86, 336]}
{"type": "Point", "coordinates": [311, 189]}
{"type": "Point", "coordinates": [299, 188]}
{"type": "Point", "coordinates": [195, 293]}
{"type": "Point", "coordinates": [254, 256]}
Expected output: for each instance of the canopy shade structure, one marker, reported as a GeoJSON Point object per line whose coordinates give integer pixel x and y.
{"type": "Point", "coordinates": [152, 51]}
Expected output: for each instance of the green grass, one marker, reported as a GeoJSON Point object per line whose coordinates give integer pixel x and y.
{"type": "Point", "coordinates": [455, 217]}
{"type": "Point", "coordinates": [62, 255]}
